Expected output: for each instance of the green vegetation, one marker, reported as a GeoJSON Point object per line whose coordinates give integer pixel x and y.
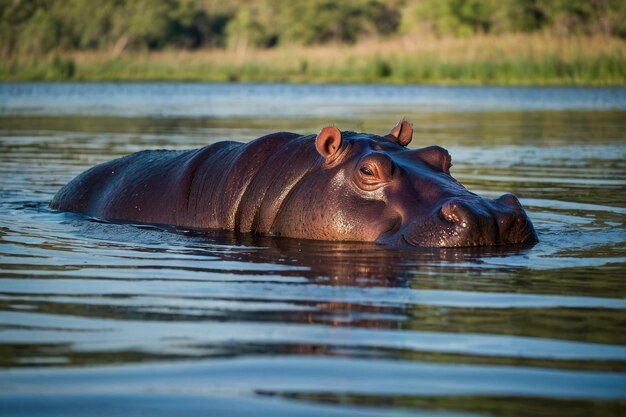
{"type": "Point", "coordinates": [398, 41]}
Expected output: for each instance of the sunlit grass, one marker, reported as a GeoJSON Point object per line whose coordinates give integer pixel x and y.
{"type": "Point", "coordinates": [506, 60]}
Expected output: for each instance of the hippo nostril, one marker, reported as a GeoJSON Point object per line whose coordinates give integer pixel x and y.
{"type": "Point", "coordinates": [511, 201]}
{"type": "Point", "coordinates": [513, 224]}
{"type": "Point", "coordinates": [454, 212]}
{"type": "Point", "coordinates": [448, 211]}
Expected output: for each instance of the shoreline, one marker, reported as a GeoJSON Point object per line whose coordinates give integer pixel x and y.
{"type": "Point", "coordinates": [555, 85]}
{"type": "Point", "coordinates": [508, 60]}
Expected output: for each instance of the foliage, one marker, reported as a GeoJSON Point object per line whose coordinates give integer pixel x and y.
{"type": "Point", "coordinates": [564, 17]}
{"type": "Point", "coordinates": [322, 21]}
{"type": "Point", "coordinates": [492, 59]}
{"type": "Point", "coordinates": [250, 26]}
{"type": "Point", "coordinates": [39, 39]}
{"type": "Point", "coordinates": [457, 17]}
{"type": "Point", "coordinates": [38, 27]}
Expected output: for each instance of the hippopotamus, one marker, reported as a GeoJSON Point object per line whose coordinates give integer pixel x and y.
{"type": "Point", "coordinates": [338, 186]}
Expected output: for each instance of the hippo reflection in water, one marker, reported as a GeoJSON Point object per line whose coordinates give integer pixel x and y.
{"type": "Point", "coordinates": [340, 186]}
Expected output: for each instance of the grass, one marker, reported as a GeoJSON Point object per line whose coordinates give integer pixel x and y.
{"type": "Point", "coordinates": [503, 60]}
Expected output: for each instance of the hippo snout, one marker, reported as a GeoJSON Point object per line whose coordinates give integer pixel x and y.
{"type": "Point", "coordinates": [470, 220]}
{"type": "Point", "coordinates": [477, 222]}
{"type": "Point", "coordinates": [508, 213]}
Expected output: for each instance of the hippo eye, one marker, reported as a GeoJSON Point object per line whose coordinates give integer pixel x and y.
{"type": "Point", "coordinates": [374, 171]}
{"type": "Point", "coordinates": [366, 171]}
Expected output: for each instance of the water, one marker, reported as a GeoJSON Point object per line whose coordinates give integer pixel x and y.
{"type": "Point", "coordinates": [135, 320]}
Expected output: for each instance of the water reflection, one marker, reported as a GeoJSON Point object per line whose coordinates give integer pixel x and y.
{"type": "Point", "coordinates": [347, 263]}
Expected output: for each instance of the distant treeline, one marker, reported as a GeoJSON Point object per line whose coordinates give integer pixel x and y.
{"type": "Point", "coordinates": [39, 27]}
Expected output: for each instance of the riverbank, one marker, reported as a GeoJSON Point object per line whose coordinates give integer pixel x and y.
{"type": "Point", "coordinates": [488, 60]}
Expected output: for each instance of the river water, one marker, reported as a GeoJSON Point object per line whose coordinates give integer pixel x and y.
{"type": "Point", "coordinates": [118, 320]}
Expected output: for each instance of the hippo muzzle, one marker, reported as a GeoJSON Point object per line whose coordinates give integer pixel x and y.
{"type": "Point", "coordinates": [475, 221]}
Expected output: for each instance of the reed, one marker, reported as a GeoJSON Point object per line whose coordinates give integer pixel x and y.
{"type": "Point", "coordinates": [502, 60]}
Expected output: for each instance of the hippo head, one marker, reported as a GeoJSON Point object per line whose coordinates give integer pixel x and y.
{"type": "Point", "coordinates": [373, 188]}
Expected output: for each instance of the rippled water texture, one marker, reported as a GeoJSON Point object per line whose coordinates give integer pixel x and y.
{"type": "Point", "coordinates": [117, 320]}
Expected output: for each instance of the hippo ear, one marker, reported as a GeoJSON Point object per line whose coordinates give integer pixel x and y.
{"type": "Point", "coordinates": [402, 133]}
{"type": "Point", "coordinates": [328, 141]}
